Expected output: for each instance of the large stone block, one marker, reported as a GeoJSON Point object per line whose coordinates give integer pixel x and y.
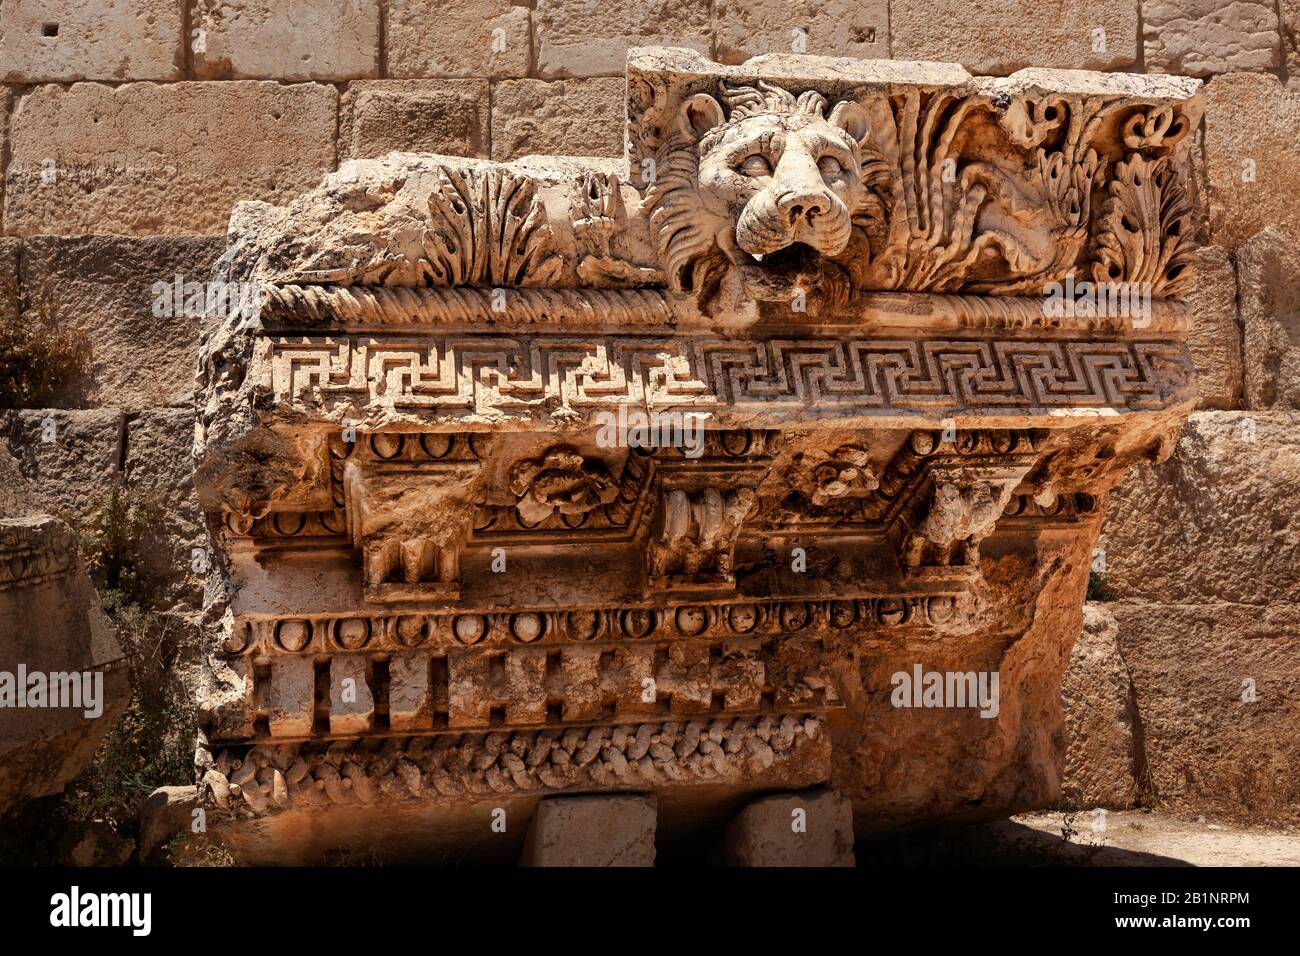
{"type": "Point", "coordinates": [291, 697]}
{"type": "Point", "coordinates": [658, 647]}
{"type": "Point", "coordinates": [1252, 126]}
{"type": "Point", "coordinates": [1268, 277]}
{"type": "Point", "coordinates": [6, 106]}
{"type": "Point", "coordinates": [1204, 37]}
{"type": "Point", "coordinates": [585, 38]}
{"type": "Point", "coordinates": [798, 829]}
{"type": "Point", "coordinates": [60, 40]}
{"type": "Point", "coordinates": [55, 642]}
{"type": "Point", "coordinates": [1216, 687]}
{"type": "Point", "coordinates": [160, 472]}
{"type": "Point", "coordinates": [593, 831]}
{"type": "Point", "coordinates": [284, 39]}
{"type": "Point", "coordinates": [420, 116]}
{"type": "Point", "coordinates": [122, 294]}
{"type": "Point", "coordinates": [1100, 713]}
{"type": "Point", "coordinates": [71, 459]}
{"type": "Point", "coordinates": [568, 117]}
{"type": "Point", "coordinates": [352, 705]}
{"type": "Point", "coordinates": [1290, 10]}
{"type": "Point", "coordinates": [1001, 36]}
{"type": "Point", "coordinates": [408, 691]}
{"type": "Point", "coordinates": [52, 628]}
{"type": "Point", "coordinates": [146, 158]}
{"type": "Point", "coordinates": [1216, 522]}
{"type": "Point", "coordinates": [9, 290]}
{"type": "Point", "coordinates": [1214, 338]}
{"type": "Point", "coordinates": [167, 812]}
{"type": "Point", "coordinates": [745, 28]}
{"type": "Point", "coordinates": [457, 38]}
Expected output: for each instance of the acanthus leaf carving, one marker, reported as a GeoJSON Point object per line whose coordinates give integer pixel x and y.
{"type": "Point", "coordinates": [1146, 231]}
{"type": "Point", "coordinates": [487, 227]}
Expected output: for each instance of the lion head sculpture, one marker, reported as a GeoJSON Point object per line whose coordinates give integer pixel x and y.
{"type": "Point", "coordinates": [764, 182]}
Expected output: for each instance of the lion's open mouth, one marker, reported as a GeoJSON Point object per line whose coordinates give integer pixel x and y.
{"type": "Point", "coordinates": [796, 257]}
{"type": "Point", "coordinates": [778, 271]}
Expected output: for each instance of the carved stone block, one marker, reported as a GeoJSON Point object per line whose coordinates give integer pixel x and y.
{"type": "Point", "coordinates": [409, 704]}
{"type": "Point", "coordinates": [649, 475]}
{"type": "Point", "coordinates": [352, 705]}
{"type": "Point", "coordinates": [291, 707]}
{"type": "Point", "coordinates": [592, 831]}
{"type": "Point", "coordinates": [812, 829]}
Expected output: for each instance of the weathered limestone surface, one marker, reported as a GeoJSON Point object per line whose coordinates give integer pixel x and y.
{"type": "Point", "coordinates": [1204, 37]}
{"type": "Point", "coordinates": [1252, 123]}
{"type": "Point", "coordinates": [804, 830]}
{"type": "Point", "coordinates": [745, 28]}
{"type": "Point", "coordinates": [60, 40]}
{"type": "Point", "coordinates": [9, 288]}
{"type": "Point", "coordinates": [957, 763]}
{"type": "Point", "coordinates": [457, 38]}
{"type": "Point", "coordinates": [999, 36]}
{"type": "Point", "coordinates": [581, 38]}
{"type": "Point", "coordinates": [51, 623]}
{"type": "Point", "coordinates": [1216, 686]}
{"type": "Point", "coordinates": [434, 540]}
{"type": "Point", "coordinates": [167, 812]}
{"type": "Point", "coordinates": [284, 39]}
{"type": "Point", "coordinates": [1214, 337]}
{"type": "Point", "coordinates": [581, 117]}
{"type": "Point", "coordinates": [1268, 277]}
{"type": "Point", "coordinates": [1290, 10]}
{"type": "Point", "coordinates": [121, 293]}
{"type": "Point", "coordinates": [1103, 744]}
{"type": "Point", "coordinates": [592, 831]}
{"type": "Point", "coordinates": [352, 706]}
{"type": "Point", "coordinates": [158, 469]}
{"type": "Point", "coordinates": [430, 116]}
{"type": "Point", "coordinates": [171, 159]}
{"type": "Point", "coordinates": [6, 107]}
{"type": "Point", "coordinates": [1190, 530]}
{"type": "Point", "coordinates": [1200, 554]}
{"type": "Point", "coordinates": [95, 844]}
{"type": "Point", "coordinates": [70, 459]}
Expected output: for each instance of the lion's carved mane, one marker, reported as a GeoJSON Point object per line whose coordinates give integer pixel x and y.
{"type": "Point", "coordinates": [695, 232]}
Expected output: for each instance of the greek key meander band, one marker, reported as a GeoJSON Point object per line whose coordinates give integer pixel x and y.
{"type": "Point", "coordinates": [473, 373]}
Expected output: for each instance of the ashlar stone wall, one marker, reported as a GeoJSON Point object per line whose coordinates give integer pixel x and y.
{"type": "Point", "coordinates": [128, 129]}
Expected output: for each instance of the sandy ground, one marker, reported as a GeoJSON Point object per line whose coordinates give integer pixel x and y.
{"type": "Point", "coordinates": [1117, 838]}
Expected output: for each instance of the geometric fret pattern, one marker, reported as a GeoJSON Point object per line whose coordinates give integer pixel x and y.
{"type": "Point", "coordinates": [473, 373]}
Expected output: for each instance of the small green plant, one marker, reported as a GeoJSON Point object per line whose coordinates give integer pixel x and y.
{"type": "Point", "coordinates": [37, 358]}
{"type": "Point", "coordinates": [1098, 588]}
{"type": "Point", "coordinates": [1068, 829]}
{"type": "Point", "coordinates": [196, 849]}
{"type": "Point", "coordinates": [152, 743]}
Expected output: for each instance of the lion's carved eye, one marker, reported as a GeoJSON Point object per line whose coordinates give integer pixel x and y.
{"type": "Point", "coordinates": [830, 166]}
{"type": "Point", "coordinates": [756, 165]}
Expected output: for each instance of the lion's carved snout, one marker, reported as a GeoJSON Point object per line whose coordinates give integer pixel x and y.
{"type": "Point", "coordinates": [805, 203]}
{"type": "Point", "coordinates": [797, 206]}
